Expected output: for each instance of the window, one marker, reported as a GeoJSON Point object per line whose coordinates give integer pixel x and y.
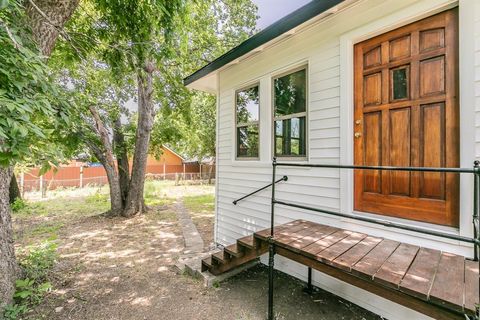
{"type": "Point", "coordinates": [247, 122]}
{"type": "Point", "coordinates": [290, 113]}
{"type": "Point", "coordinates": [399, 87]}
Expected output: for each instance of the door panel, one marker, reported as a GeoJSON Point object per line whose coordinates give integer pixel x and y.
{"type": "Point", "coordinates": [432, 151]}
{"type": "Point", "coordinates": [400, 150]}
{"type": "Point", "coordinates": [406, 114]}
{"type": "Point", "coordinates": [373, 151]}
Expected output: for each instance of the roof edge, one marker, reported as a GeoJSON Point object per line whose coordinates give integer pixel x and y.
{"type": "Point", "coordinates": [172, 151]}
{"type": "Point", "coordinates": [287, 23]}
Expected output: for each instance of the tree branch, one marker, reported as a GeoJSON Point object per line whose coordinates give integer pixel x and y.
{"type": "Point", "coordinates": [104, 138]}
{"type": "Point", "coordinates": [60, 29]}
{"type": "Point", "coordinates": [10, 35]}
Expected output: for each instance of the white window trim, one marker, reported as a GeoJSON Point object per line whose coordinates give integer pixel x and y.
{"type": "Point", "coordinates": [285, 72]}
{"type": "Point", "coordinates": [417, 11]}
{"type": "Point", "coordinates": [250, 123]}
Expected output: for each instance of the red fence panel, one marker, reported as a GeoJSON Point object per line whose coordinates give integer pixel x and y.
{"type": "Point", "coordinates": [71, 176]}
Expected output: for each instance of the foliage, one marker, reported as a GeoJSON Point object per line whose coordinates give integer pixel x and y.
{"type": "Point", "coordinates": [36, 262]}
{"type": "Point", "coordinates": [214, 28]}
{"type": "Point", "coordinates": [18, 205]}
{"type": "Point", "coordinates": [105, 78]}
{"type": "Point", "coordinates": [34, 110]}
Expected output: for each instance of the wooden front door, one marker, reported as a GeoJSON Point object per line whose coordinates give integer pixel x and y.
{"type": "Point", "coordinates": [406, 114]}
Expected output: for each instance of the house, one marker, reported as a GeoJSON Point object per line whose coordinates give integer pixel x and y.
{"type": "Point", "coordinates": [366, 82]}
{"type": "Point", "coordinates": [78, 173]}
{"type": "Point", "coordinates": [168, 162]}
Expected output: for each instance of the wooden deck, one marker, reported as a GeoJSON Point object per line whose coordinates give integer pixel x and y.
{"type": "Point", "coordinates": [439, 284]}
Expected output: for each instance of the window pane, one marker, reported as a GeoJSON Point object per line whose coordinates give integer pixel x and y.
{"type": "Point", "coordinates": [290, 93]}
{"type": "Point", "coordinates": [247, 105]}
{"type": "Point", "coordinates": [290, 137]}
{"type": "Point", "coordinates": [400, 83]}
{"type": "Point", "coordinates": [247, 141]}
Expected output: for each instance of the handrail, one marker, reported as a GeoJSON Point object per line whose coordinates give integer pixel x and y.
{"type": "Point", "coordinates": [383, 222]}
{"type": "Point", "coordinates": [284, 178]}
{"type": "Point", "coordinates": [475, 240]}
{"type": "Point", "coordinates": [384, 168]}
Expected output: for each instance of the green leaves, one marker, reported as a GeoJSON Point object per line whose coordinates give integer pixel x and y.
{"type": "Point", "coordinates": [29, 96]}
{"type": "Point", "coordinates": [36, 262]}
{"type": "Point", "coordinates": [4, 4]}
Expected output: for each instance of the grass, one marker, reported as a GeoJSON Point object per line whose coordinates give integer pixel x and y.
{"type": "Point", "coordinates": [47, 231]}
{"type": "Point", "coordinates": [202, 211]}
{"type": "Point", "coordinates": [200, 204]}
{"type": "Point", "coordinates": [66, 206]}
{"type": "Point", "coordinates": [43, 219]}
{"type": "Point", "coordinates": [155, 193]}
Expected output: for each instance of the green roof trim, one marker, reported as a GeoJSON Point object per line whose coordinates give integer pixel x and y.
{"type": "Point", "coordinates": [278, 28]}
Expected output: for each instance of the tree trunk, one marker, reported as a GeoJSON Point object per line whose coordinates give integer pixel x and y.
{"type": "Point", "coordinates": [47, 18]}
{"type": "Point", "coordinates": [14, 190]}
{"type": "Point", "coordinates": [105, 155]}
{"type": "Point", "coordinates": [146, 112]}
{"type": "Point", "coordinates": [116, 203]}
{"type": "Point", "coordinates": [122, 159]}
{"type": "Point", "coordinates": [8, 264]}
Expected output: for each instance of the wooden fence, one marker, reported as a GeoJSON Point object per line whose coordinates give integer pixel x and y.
{"type": "Point", "coordinates": [83, 176]}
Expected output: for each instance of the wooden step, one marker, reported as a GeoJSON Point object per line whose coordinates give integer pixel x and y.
{"type": "Point", "coordinates": [249, 242]}
{"type": "Point", "coordinates": [220, 257]}
{"type": "Point", "coordinates": [207, 264]}
{"type": "Point", "coordinates": [234, 250]}
{"type": "Point", "coordinates": [247, 256]}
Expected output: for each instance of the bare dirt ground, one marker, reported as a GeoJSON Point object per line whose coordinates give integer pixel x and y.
{"type": "Point", "coordinates": [112, 268]}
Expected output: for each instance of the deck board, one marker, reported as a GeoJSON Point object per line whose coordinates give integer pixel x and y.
{"type": "Point", "coordinates": [448, 285]}
{"type": "Point", "coordinates": [418, 279]}
{"type": "Point", "coordinates": [372, 261]}
{"type": "Point", "coordinates": [313, 249]}
{"type": "Point", "coordinates": [265, 233]}
{"type": "Point", "coordinates": [292, 233]}
{"type": "Point", "coordinates": [393, 270]}
{"type": "Point", "coordinates": [340, 247]}
{"type": "Point", "coordinates": [471, 284]}
{"type": "Point", "coordinates": [354, 254]}
{"type": "Point", "coordinates": [309, 238]}
{"type": "Point", "coordinates": [299, 235]}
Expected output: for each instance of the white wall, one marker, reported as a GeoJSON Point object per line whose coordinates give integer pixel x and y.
{"type": "Point", "coordinates": [477, 73]}
{"type": "Point", "coordinates": [323, 48]}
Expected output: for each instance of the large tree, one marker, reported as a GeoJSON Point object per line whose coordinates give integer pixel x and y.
{"type": "Point", "coordinates": [215, 28]}
{"type": "Point", "coordinates": [151, 49]}
{"type": "Point", "coordinates": [31, 112]}
{"type": "Point", "coordinates": [124, 44]}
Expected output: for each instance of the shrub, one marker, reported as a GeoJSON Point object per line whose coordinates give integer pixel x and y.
{"type": "Point", "coordinates": [18, 205]}
{"type": "Point", "coordinates": [36, 263]}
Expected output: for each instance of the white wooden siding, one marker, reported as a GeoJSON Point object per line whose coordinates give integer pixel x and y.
{"type": "Point", "coordinates": [319, 46]}
{"type": "Point", "coordinates": [477, 76]}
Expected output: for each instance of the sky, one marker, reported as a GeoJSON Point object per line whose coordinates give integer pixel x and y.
{"type": "Point", "coordinates": [273, 10]}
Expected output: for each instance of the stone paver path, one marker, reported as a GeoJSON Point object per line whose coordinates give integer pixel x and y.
{"type": "Point", "coordinates": [193, 240]}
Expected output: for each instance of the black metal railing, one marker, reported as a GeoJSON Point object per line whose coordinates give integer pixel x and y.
{"type": "Point", "coordinates": [475, 240]}
{"type": "Point", "coordinates": [284, 178]}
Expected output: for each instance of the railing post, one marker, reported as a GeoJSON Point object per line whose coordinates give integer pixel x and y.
{"type": "Point", "coordinates": [476, 231]}
{"type": "Point", "coordinates": [271, 244]}
{"type": "Point", "coordinates": [476, 195]}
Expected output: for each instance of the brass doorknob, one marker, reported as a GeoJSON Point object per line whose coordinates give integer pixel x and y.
{"type": "Point", "coordinates": [358, 135]}
{"type": "Point", "coordinates": [357, 122]}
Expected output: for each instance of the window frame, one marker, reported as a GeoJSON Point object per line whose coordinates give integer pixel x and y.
{"type": "Point", "coordinates": [247, 124]}
{"type": "Point", "coordinates": [292, 115]}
